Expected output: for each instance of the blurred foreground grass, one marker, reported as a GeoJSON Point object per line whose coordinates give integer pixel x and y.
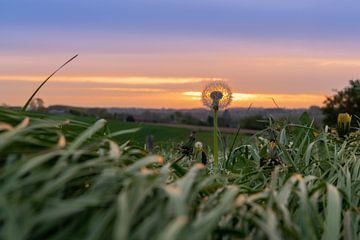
{"type": "Point", "coordinates": [63, 179]}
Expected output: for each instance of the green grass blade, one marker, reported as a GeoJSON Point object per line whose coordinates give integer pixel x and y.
{"type": "Point", "coordinates": [333, 214]}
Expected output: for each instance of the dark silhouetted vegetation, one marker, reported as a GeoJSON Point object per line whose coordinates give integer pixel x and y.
{"type": "Point", "coordinates": [344, 101]}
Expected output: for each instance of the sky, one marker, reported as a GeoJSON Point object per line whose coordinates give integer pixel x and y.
{"type": "Point", "coordinates": [161, 53]}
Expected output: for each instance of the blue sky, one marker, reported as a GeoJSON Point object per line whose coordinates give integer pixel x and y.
{"type": "Point", "coordinates": [228, 18]}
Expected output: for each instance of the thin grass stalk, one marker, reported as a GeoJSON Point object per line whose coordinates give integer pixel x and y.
{"type": "Point", "coordinates": [43, 83]}
{"type": "Point", "coordinates": [233, 142]}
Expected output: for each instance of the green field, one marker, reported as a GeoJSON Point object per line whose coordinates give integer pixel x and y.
{"type": "Point", "coordinates": [164, 136]}
{"type": "Point", "coordinates": [74, 179]}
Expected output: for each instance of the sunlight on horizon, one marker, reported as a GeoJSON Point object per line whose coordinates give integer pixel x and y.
{"type": "Point", "coordinates": [154, 92]}
{"type": "Point", "coordinates": [267, 100]}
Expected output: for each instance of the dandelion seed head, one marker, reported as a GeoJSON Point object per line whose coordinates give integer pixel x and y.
{"type": "Point", "coordinates": [216, 95]}
{"type": "Point", "coordinates": [198, 146]}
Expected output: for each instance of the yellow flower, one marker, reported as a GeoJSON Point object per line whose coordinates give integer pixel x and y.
{"type": "Point", "coordinates": [272, 144]}
{"type": "Point", "coordinates": [333, 130]}
{"type": "Point", "coordinates": [216, 95]}
{"type": "Point", "coordinates": [344, 118]}
{"type": "Point", "coordinates": [343, 124]}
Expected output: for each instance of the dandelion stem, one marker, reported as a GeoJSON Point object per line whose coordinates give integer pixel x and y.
{"type": "Point", "coordinates": [216, 148]}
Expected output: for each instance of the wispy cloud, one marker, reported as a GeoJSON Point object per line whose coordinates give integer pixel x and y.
{"type": "Point", "coordinates": [111, 79]}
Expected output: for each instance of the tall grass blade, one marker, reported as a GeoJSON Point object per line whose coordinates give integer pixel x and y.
{"type": "Point", "coordinates": [333, 214]}
{"type": "Point", "coordinates": [44, 82]}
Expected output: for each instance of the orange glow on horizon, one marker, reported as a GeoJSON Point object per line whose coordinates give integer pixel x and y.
{"type": "Point", "coordinates": [267, 100]}
{"type": "Point", "coordinates": [142, 92]}
{"type": "Point", "coordinates": [165, 99]}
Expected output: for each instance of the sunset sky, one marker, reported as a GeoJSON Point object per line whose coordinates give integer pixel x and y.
{"type": "Point", "coordinates": [161, 53]}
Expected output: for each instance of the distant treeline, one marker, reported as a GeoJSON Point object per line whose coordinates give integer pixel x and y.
{"type": "Point", "coordinates": [250, 119]}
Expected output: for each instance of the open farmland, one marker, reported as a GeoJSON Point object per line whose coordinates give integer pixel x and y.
{"type": "Point", "coordinates": [165, 135]}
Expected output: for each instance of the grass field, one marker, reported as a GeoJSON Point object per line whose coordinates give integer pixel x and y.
{"type": "Point", "coordinates": [64, 179]}
{"type": "Point", "coordinates": [164, 136]}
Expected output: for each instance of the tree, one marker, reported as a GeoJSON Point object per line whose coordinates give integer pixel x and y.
{"type": "Point", "coordinates": [37, 104]}
{"type": "Point", "coordinates": [130, 118]}
{"type": "Point", "coordinates": [344, 101]}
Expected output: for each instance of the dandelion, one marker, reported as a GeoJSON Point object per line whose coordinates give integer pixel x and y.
{"type": "Point", "coordinates": [326, 128]}
{"type": "Point", "coordinates": [216, 95]}
{"type": "Point", "coordinates": [198, 146]}
{"type": "Point", "coordinates": [343, 124]}
{"type": "Point", "coordinates": [199, 149]}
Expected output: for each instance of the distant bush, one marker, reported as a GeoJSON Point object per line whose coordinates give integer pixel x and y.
{"type": "Point", "coordinates": [189, 119]}
{"type": "Point", "coordinates": [344, 101]}
{"type": "Point", "coordinates": [130, 118]}
{"type": "Point", "coordinates": [256, 122]}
